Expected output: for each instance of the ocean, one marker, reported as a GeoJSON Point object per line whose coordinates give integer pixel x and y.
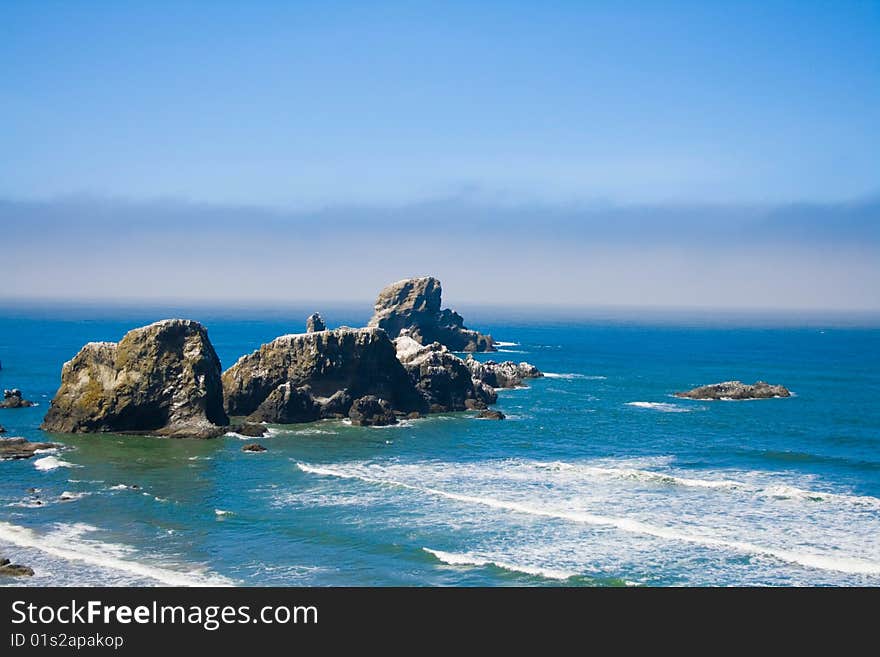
{"type": "Point", "coordinates": [597, 477]}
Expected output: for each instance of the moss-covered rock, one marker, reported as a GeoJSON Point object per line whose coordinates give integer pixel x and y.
{"type": "Point", "coordinates": [161, 379]}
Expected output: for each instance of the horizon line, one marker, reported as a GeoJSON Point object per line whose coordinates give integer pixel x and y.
{"type": "Point", "coordinates": [300, 304]}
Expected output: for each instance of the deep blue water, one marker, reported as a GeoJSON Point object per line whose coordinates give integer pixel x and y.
{"type": "Point", "coordinates": [597, 476]}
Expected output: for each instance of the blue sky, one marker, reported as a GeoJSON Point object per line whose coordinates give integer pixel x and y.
{"type": "Point", "coordinates": [561, 118]}
{"type": "Point", "coordinates": [294, 103]}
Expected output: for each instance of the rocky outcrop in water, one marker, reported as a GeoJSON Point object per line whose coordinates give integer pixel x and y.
{"type": "Point", "coordinates": [502, 375]}
{"type": "Point", "coordinates": [337, 367]}
{"type": "Point", "coordinates": [162, 379]}
{"type": "Point", "coordinates": [412, 307]}
{"type": "Point", "coordinates": [254, 447]}
{"type": "Point", "coordinates": [441, 378]}
{"type": "Point", "coordinates": [2, 429]}
{"type": "Point", "coordinates": [315, 323]}
{"type": "Point", "coordinates": [287, 405]}
{"type": "Point", "coordinates": [736, 390]}
{"type": "Point", "coordinates": [370, 411]}
{"type": "Point", "coordinates": [19, 448]}
{"type": "Point", "coordinates": [250, 430]}
{"type": "Point", "coordinates": [14, 569]}
{"type": "Point", "coordinates": [490, 415]}
{"type": "Point", "coordinates": [13, 399]}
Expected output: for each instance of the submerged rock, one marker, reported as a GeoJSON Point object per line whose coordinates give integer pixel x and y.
{"type": "Point", "coordinates": [19, 448]}
{"type": "Point", "coordinates": [13, 399]}
{"type": "Point", "coordinates": [315, 323]}
{"type": "Point", "coordinates": [337, 366]}
{"type": "Point", "coordinates": [254, 447]}
{"type": "Point", "coordinates": [2, 429]}
{"type": "Point", "coordinates": [370, 411]}
{"type": "Point", "coordinates": [441, 378]}
{"type": "Point", "coordinates": [412, 307]}
{"type": "Point", "coordinates": [502, 375]}
{"type": "Point", "coordinates": [161, 379]}
{"type": "Point", "coordinates": [14, 569]}
{"type": "Point", "coordinates": [736, 390]}
{"type": "Point", "coordinates": [490, 415]}
{"type": "Point", "coordinates": [250, 430]}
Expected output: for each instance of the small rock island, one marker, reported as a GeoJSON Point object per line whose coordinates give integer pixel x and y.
{"type": "Point", "coordinates": [736, 390]}
{"type": "Point", "coordinates": [13, 399]}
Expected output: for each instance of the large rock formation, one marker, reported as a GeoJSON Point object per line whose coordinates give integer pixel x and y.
{"type": "Point", "coordinates": [161, 379]}
{"type": "Point", "coordinates": [736, 390]}
{"type": "Point", "coordinates": [502, 375]}
{"type": "Point", "coordinates": [443, 379]}
{"type": "Point", "coordinates": [19, 448]}
{"type": "Point", "coordinates": [315, 323]}
{"type": "Point", "coordinates": [13, 399]}
{"type": "Point", "coordinates": [412, 307]}
{"type": "Point", "coordinates": [338, 367]}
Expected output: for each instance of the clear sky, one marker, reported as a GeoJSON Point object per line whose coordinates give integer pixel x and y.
{"type": "Point", "coordinates": [241, 123]}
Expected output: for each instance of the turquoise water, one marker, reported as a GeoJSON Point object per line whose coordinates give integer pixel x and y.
{"type": "Point", "coordinates": [597, 476]}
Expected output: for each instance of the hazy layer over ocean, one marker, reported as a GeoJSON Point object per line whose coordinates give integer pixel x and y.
{"type": "Point", "coordinates": [597, 476]}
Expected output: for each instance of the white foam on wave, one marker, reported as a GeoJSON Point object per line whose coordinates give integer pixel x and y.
{"type": "Point", "coordinates": [573, 375]}
{"type": "Point", "coordinates": [68, 496]}
{"type": "Point", "coordinates": [222, 512]}
{"type": "Point", "coordinates": [68, 542]}
{"type": "Point", "coordinates": [702, 537]}
{"type": "Point", "coordinates": [663, 407]}
{"type": "Point", "coordinates": [511, 351]}
{"type": "Point", "coordinates": [501, 343]}
{"type": "Point", "coordinates": [468, 559]}
{"type": "Point", "coordinates": [51, 463]}
{"type": "Point", "coordinates": [233, 434]}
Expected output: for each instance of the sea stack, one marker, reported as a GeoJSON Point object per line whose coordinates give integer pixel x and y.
{"type": "Point", "coordinates": [162, 379]}
{"type": "Point", "coordinates": [735, 390]}
{"type": "Point", "coordinates": [307, 376]}
{"type": "Point", "coordinates": [315, 323]}
{"type": "Point", "coordinates": [412, 307]}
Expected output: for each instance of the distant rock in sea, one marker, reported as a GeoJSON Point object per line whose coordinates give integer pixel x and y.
{"type": "Point", "coordinates": [490, 415]}
{"type": "Point", "coordinates": [315, 323]}
{"type": "Point", "coordinates": [254, 447]}
{"type": "Point", "coordinates": [19, 448]}
{"type": "Point", "coordinates": [412, 307]}
{"type": "Point", "coordinates": [736, 390]}
{"type": "Point", "coordinates": [162, 379]}
{"type": "Point", "coordinates": [2, 429]}
{"type": "Point", "coordinates": [13, 399]}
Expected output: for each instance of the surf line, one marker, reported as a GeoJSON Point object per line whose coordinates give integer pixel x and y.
{"type": "Point", "coordinates": [849, 565]}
